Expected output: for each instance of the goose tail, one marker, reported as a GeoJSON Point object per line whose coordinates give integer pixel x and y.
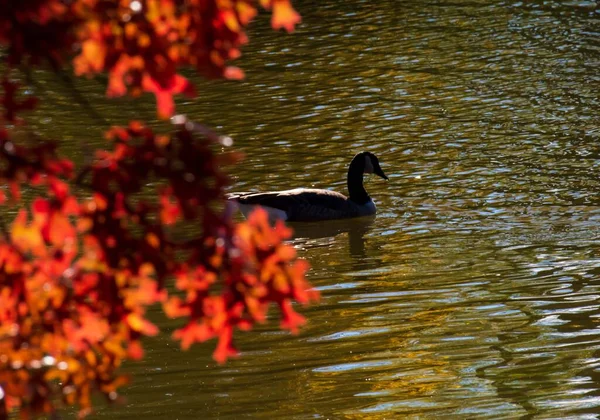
{"type": "Point", "coordinates": [246, 202]}
{"type": "Point", "coordinates": [235, 196]}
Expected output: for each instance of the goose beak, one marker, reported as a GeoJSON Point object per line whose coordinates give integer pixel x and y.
{"type": "Point", "coordinates": [379, 172]}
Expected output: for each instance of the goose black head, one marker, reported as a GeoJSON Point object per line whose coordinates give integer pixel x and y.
{"type": "Point", "coordinates": [372, 165]}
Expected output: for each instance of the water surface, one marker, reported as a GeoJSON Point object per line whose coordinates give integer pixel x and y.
{"type": "Point", "coordinates": [474, 292]}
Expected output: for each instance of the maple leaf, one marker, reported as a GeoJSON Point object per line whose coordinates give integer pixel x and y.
{"type": "Point", "coordinates": [164, 92]}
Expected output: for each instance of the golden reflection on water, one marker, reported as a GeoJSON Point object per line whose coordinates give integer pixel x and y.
{"type": "Point", "coordinates": [474, 291]}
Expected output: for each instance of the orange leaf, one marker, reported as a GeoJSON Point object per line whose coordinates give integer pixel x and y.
{"type": "Point", "coordinates": [27, 238]}
{"type": "Point", "coordinates": [231, 20]}
{"type": "Point", "coordinates": [91, 59]}
{"type": "Point", "coordinates": [139, 324]}
{"type": "Point", "coordinates": [284, 15]}
{"type": "Point", "coordinates": [61, 232]}
{"type": "Point", "coordinates": [146, 294]}
{"type": "Point", "coordinates": [153, 240]}
{"type": "Point", "coordinates": [286, 252]}
{"type": "Point", "coordinates": [245, 12]}
{"type": "Point", "coordinates": [174, 308]}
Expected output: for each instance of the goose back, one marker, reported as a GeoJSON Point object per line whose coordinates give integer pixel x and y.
{"type": "Point", "coordinates": [305, 204]}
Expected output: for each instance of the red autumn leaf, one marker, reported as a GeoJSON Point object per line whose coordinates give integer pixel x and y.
{"type": "Point", "coordinates": [170, 212]}
{"type": "Point", "coordinates": [164, 92]}
{"type": "Point", "coordinates": [189, 334]}
{"type": "Point", "coordinates": [291, 319]}
{"type": "Point", "coordinates": [59, 188]}
{"type": "Point", "coordinates": [15, 190]}
{"type": "Point", "coordinates": [135, 350]}
{"type": "Point", "coordinates": [225, 348]}
{"type": "Point", "coordinates": [41, 210]}
{"type": "Point", "coordinates": [70, 206]}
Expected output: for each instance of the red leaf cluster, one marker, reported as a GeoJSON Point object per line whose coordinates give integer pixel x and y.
{"type": "Point", "coordinates": [255, 268]}
{"type": "Point", "coordinates": [141, 44]}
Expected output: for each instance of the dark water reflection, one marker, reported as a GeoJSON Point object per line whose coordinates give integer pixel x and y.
{"type": "Point", "coordinates": [474, 292]}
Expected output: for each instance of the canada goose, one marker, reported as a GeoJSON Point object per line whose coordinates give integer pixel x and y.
{"type": "Point", "coordinates": [308, 204]}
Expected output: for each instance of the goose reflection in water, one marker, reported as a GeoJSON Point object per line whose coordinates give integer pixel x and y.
{"type": "Point", "coordinates": [330, 234]}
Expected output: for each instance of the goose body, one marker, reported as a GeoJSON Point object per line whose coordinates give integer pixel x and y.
{"type": "Point", "coordinates": [310, 204]}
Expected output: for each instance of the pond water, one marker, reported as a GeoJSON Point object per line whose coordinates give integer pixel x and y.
{"type": "Point", "coordinates": [474, 292]}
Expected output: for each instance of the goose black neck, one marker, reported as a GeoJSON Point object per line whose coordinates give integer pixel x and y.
{"type": "Point", "coordinates": [356, 190]}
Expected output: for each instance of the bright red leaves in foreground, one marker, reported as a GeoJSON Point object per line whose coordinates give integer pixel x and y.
{"type": "Point", "coordinates": [78, 271]}
{"type": "Point", "coordinates": [76, 275]}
